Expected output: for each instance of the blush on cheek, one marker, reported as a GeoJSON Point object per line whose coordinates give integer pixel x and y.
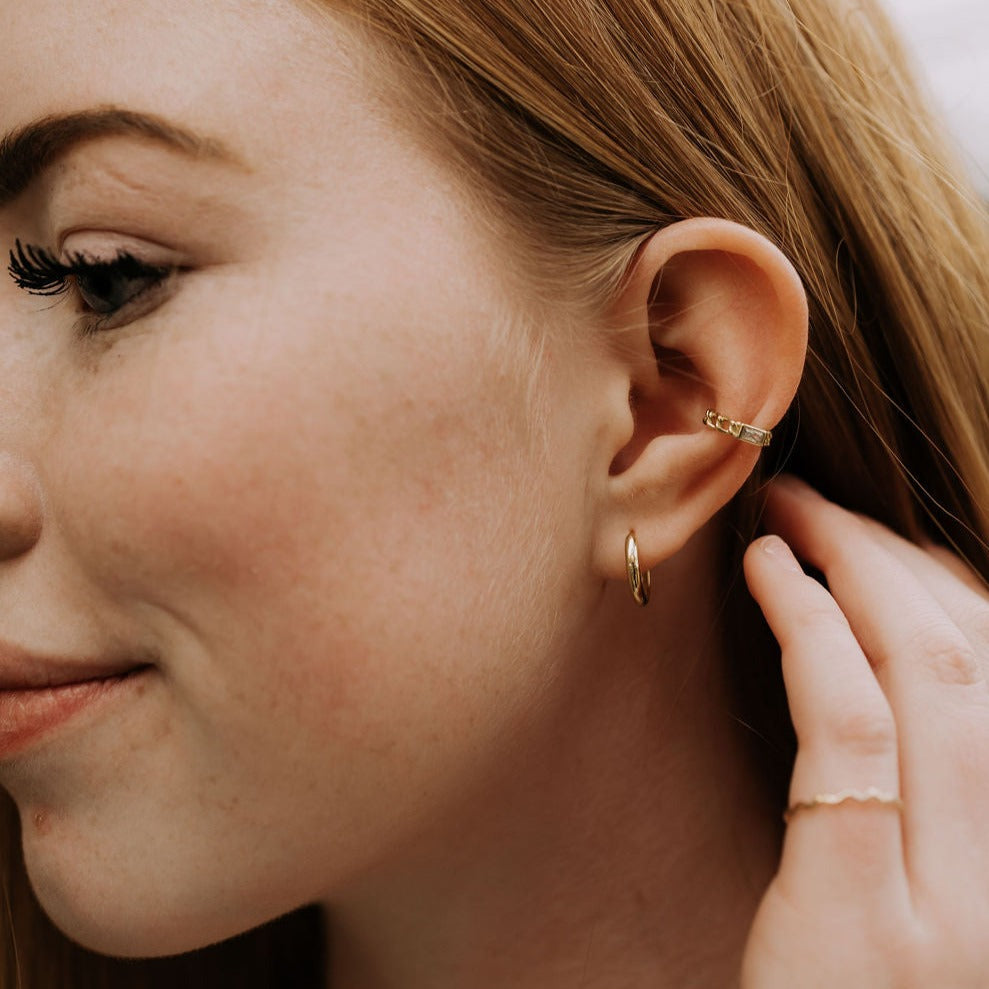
{"type": "Point", "coordinates": [210, 489]}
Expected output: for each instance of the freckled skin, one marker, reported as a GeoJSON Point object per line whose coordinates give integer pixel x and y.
{"type": "Point", "coordinates": [294, 484]}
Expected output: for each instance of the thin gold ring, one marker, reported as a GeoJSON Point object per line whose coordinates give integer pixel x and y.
{"type": "Point", "coordinates": [870, 795]}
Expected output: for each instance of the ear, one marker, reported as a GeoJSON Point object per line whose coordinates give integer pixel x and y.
{"type": "Point", "coordinates": [711, 316]}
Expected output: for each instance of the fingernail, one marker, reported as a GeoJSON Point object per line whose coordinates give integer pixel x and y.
{"type": "Point", "coordinates": [780, 552]}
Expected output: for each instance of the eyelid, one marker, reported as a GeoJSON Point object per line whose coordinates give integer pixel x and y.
{"type": "Point", "coordinates": [105, 245]}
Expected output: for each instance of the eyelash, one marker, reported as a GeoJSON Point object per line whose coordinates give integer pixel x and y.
{"type": "Point", "coordinates": [39, 272]}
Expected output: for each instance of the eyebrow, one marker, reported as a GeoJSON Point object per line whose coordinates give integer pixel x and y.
{"type": "Point", "coordinates": [28, 151]}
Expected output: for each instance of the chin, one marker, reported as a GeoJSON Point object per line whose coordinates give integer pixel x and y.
{"type": "Point", "coordinates": [137, 916]}
{"type": "Point", "coordinates": [124, 929]}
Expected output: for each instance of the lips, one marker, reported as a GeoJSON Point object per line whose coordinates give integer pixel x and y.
{"type": "Point", "coordinates": [40, 693]}
{"type": "Point", "coordinates": [24, 670]}
{"type": "Point", "coordinates": [51, 675]}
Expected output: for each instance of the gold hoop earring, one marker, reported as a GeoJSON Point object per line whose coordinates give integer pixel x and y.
{"type": "Point", "coordinates": [638, 581]}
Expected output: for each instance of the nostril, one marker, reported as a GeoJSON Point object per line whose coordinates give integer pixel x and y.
{"type": "Point", "coordinates": [21, 512]}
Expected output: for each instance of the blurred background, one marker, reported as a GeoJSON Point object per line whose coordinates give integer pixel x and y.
{"type": "Point", "coordinates": [950, 42]}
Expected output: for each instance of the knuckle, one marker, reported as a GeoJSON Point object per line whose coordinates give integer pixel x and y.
{"type": "Point", "coordinates": [948, 656]}
{"type": "Point", "coordinates": [863, 731]}
{"type": "Point", "coordinates": [819, 619]}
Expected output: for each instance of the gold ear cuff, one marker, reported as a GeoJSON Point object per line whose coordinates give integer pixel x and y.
{"type": "Point", "coordinates": [738, 430]}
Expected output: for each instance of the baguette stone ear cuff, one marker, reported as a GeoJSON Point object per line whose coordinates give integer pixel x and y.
{"type": "Point", "coordinates": [738, 430]}
{"type": "Point", "coordinates": [638, 581]}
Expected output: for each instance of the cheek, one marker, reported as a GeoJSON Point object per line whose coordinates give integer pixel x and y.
{"type": "Point", "coordinates": [204, 463]}
{"type": "Point", "coordinates": [327, 522]}
{"type": "Point", "coordinates": [330, 538]}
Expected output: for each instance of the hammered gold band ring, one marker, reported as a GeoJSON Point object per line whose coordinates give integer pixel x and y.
{"type": "Point", "coordinates": [871, 795]}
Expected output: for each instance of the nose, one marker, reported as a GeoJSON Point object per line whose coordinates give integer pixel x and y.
{"type": "Point", "coordinates": [21, 512]}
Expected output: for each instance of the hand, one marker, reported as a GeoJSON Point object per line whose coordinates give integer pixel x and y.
{"type": "Point", "coordinates": [886, 679]}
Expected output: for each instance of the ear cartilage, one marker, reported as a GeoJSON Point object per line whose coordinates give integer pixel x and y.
{"type": "Point", "coordinates": [738, 430]}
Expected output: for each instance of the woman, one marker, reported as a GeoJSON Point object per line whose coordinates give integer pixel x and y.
{"type": "Point", "coordinates": [361, 362]}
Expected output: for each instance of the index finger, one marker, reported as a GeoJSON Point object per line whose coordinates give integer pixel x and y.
{"type": "Point", "coordinates": [847, 741]}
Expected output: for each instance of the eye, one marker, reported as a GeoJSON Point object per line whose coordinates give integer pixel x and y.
{"type": "Point", "coordinates": [115, 291]}
{"type": "Point", "coordinates": [109, 286]}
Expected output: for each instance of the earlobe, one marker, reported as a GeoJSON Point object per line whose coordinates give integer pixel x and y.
{"type": "Point", "coordinates": [712, 326]}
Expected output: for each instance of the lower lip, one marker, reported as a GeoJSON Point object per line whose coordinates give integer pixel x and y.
{"type": "Point", "coordinates": [26, 716]}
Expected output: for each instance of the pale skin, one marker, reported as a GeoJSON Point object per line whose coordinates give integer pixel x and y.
{"type": "Point", "coordinates": [306, 484]}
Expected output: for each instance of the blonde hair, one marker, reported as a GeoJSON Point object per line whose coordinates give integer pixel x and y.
{"type": "Point", "coordinates": [585, 125]}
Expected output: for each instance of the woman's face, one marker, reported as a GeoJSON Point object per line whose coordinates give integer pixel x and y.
{"type": "Point", "coordinates": [297, 477]}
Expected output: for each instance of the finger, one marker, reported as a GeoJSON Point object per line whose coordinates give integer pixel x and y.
{"type": "Point", "coordinates": [929, 670]}
{"type": "Point", "coordinates": [846, 734]}
{"type": "Point", "coordinates": [890, 609]}
{"type": "Point", "coordinates": [962, 570]}
{"type": "Point", "coordinates": [958, 590]}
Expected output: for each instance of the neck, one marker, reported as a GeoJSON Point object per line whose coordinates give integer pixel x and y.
{"type": "Point", "coordinates": [626, 843]}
